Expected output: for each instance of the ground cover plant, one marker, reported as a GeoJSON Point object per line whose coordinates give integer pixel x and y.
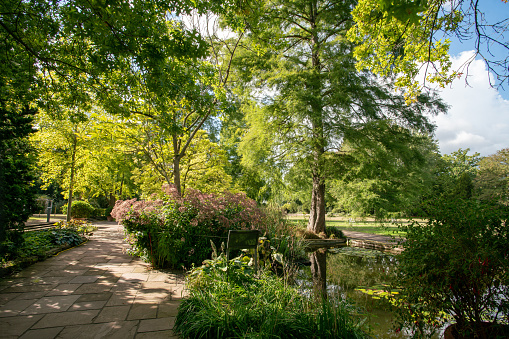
{"type": "Point", "coordinates": [227, 300]}
{"type": "Point", "coordinates": [37, 244]}
{"type": "Point", "coordinates": [456, 266]}
{"type": "Point", "coordinates": [175, 232]}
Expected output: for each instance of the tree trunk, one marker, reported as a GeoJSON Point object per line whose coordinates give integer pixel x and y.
{"type": "Point", "coordinates": [176, 174]}
{"type": "Point", "coordinates": [317, 211]}
{"type": "Point", "coordinates": [316, 222]}
{"type": "Point", "coordinates": [71, 181]}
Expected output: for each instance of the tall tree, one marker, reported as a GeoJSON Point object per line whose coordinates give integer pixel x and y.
{"type": "Point", "coordinates": [132, 57]}
{"type": "Point", "coordinates": [180, 91]}
{"type": "Point", "coordinates": [313, 97]}
{"type": "Point", "coordinates": [62, 144]}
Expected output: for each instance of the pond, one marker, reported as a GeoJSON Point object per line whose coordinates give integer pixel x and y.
{"type": "Point", "coordinates": [361, 276]}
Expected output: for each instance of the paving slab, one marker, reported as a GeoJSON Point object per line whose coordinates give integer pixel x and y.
{"type": "Point", "coordinates": [168, 334]}
{"type": "Point", "coordinates": [15, 307]}
{"type": "Point", "coordinates": [43, 333]}
{"type": "Point", "coordinates": [16, 326]}
{"type": "Point", "coordinates": [113, 313]}
{"type": "Point", "coordinates": [113, 330]}
{"type": "Point", "coordinates": [52, 304]}
{"type": "Point", "coordinates": [159, 324]}
{"type": "Point", "coordinates": [95, 290]}
{"type": "Point", "coordinates": [142, 311]}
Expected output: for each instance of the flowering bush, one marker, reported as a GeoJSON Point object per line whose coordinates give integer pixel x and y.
{"type": "Point", "coordinates": [176, 232]}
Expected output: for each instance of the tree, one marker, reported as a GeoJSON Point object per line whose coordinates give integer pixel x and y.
{"type": "Point", "coordinates": [69, 39]}
{"type": "Point", "coordinates": [16, 170]}
{"type": "Point", "coordinates": [386, 181]}
{"type": "Point", "coordinates": [313, 97]}
{"type": "Point", "coordinates": [63, 152]}
{"type": "Point", "coordinates": [152, 150]}
{"type": "Point", "coordinates": [400, 38]}
{"type": "Point", "coordinates": [132, 58]}
{"type": "Point", "coordinates": [179, 92]}
{"type": "Point", "coordinates": [492, 180]}
{"type": "Point", "coordinates": [459, 162]}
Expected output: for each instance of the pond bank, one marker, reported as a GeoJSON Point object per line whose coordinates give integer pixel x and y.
{"type": "Point", "coordinates": [373, 241]}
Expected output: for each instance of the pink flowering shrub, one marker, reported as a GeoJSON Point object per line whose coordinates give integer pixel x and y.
{"type": "Point", "coordinates": [176, 232]}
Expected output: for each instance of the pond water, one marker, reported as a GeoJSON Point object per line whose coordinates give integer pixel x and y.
{"type": "Point", "coordinates": [361, 276]}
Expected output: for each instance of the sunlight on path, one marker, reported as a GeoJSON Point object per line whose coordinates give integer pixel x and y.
{"type": "Point", "coordinates": [92, 291]}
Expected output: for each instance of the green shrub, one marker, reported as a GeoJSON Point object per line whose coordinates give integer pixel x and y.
{"type": "Point", "coordinates": [79, 209]}
{"type": "Point", "coordinates": [456, 265]}
{"type": "Point", "coordinates": [176, 233]}
{"type": "Point", "coordinates": [232, 303]}
{"type": "Point", "coordinates": [100, 212]}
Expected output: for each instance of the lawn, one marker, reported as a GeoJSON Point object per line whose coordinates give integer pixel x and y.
{"type": "Point", "coordinates": [366, 225]}
{"type": "Point", "coordinates": [42, 218]}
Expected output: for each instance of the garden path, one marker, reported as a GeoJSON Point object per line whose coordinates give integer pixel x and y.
{"type": "Point", "coordinates": [95, 290]}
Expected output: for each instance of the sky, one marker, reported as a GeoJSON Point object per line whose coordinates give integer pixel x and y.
{"type": "Point", "coordinates": [478, 117]}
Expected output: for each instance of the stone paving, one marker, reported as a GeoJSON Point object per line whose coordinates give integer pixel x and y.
{"type": "Point", "coordinates": [95, 290]}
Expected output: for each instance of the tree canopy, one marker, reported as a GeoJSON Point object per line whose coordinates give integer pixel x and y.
{"type": "Point", "coordinates": [401, 38]}
{"type": "Point", "coordinates": [300, 63]}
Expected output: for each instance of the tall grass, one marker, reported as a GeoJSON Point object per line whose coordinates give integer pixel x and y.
{"type": "Point", "coordinates": [264, 307]}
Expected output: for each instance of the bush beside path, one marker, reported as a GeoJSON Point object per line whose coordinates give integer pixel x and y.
{"type": "Point", "coordinates": [95, 290]}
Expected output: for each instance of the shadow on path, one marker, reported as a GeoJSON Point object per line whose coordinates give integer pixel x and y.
{"type": "Point", "coordinates": [95, 290]}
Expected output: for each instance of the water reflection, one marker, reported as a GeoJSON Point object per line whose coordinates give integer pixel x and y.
{"type": "Point", "coordinates": [318, 268]}
{"type": "Point", "coordinates": [344, 272]}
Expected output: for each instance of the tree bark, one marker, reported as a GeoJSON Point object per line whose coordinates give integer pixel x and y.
{"type": "Point", "coordinates": [71, 181]}
{"type": "Point", "coordinates": [316, 222]}
{"type": "Point", "coordinates": [177, 155]}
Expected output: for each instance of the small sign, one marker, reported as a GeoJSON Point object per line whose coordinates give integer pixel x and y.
{"type": "Point", "coordinates": [242, 239]}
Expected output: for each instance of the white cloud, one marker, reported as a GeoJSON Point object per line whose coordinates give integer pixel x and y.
{"type": "Point", "coordinates": [478, 116]}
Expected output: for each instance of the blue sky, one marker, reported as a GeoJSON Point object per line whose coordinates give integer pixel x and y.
{"type": "Point", "coordinates": [478, 116]}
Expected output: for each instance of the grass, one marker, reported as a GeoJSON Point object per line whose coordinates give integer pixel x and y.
{"type": "Point", "coordinates": [365, 225]}
{"type": "Point", "coordinates": [235, 304]}
{"type": "Point", "coordinates": [43, 217]}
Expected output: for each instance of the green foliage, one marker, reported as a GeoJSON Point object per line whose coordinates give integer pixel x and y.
{"type": "Point", "coordinates": [80, 209]}
{"type": "Point", "coordinates": [17, 195]}
{"type": "Point", "coordinates": [66, 236]}
{"type": "Point", "coordinates": [177, 232]}
{"type": "Point", "coordinates": [456, 264]}
{"type": "Point", "coordinates": [311, 100]}
{"type": "Point", "coordinates": [77, 226]}
{"type": "Point", "coordinates": [387, 177]}
{"type": "Point", "coordinates": [232, 303]}
{"type": "Point", "coordinates": [492, 181]}
{"type": "Point", "coordinates": [38, 243]}
{"type": "Point", "coordinates": [395, 39]}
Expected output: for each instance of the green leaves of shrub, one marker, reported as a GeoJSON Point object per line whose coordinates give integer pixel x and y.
{"type": "Point", "coordinates": [176, 233]}
{"type": "Point", "coordinates": [66, 236]}
{"type": "Point", "coordinates": [457, 263]}
{"type": "Point", "coordinates": [79, 209]}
